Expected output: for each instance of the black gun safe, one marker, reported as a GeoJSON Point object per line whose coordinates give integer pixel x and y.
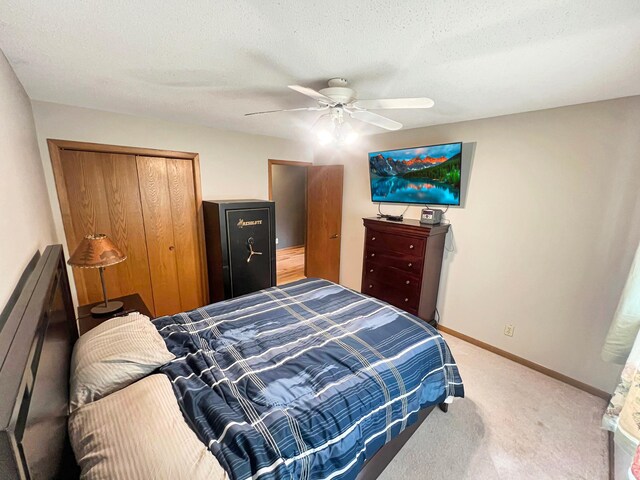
{"type": "Point", "coordinates": [241, 246]}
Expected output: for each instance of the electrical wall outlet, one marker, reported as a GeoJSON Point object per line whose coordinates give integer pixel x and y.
{"type": "Point", "coordinates": [277, 240]}
{"type": "Point", "coordinates": [508, 330]}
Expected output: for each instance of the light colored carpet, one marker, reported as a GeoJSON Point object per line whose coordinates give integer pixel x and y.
{"type": "Point", "coordinates": [514, 423]}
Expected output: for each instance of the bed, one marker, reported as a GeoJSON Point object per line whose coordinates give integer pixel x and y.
{"type": "Point", "coordinates": [268, 346]}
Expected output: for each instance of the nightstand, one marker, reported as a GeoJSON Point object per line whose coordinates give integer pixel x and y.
{"type": "Point", "coordinates": [132, 303]}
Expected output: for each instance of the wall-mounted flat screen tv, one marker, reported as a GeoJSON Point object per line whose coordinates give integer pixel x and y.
{"type": "Point", "coordinates": [428, 175]}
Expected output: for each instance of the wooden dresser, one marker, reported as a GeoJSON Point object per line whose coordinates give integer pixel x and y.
{"type": "Point", "coordinates": [402, 262]}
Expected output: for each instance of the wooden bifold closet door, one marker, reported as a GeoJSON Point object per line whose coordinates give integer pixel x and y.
{"type": "Point", "coordinates": [149, 206]}
{"type": "Point", "coordinates": [169, 210]}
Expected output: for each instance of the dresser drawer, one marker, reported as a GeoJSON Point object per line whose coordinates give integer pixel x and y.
{"type": "Point", "coordinates": [402, 296]}
{"type": "Point", "coordinates": [395, 243]}
{"type": "Point", "coordinates": [390, 274]}
{"type": "Point", "coordinates": [411, 263]}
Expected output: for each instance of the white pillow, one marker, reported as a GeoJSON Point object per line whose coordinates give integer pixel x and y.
{"type": "Point", "coordinates": [113, 355]}
{"type": "Point", "coordinates": [140, 433]}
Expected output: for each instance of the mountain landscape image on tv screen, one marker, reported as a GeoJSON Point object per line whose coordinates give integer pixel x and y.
{"type": "Point", "coordinates": [428, 175]}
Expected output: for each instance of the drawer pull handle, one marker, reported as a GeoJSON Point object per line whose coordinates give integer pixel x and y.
{"type": "Point", "coordinates": [373, 254]}
{"type": "Point", "coordinates": [373, 238]}
{"type": "Point", "coordinates": [370, 286]}
{"type": "Point", "coordinates": [410, 247]}
{"type": "Point", "coordinates": [371, 271]}
{"type": "Point", "coordinates": [406, 299]}
{"type": "Point", "coordinates": [407, 282]}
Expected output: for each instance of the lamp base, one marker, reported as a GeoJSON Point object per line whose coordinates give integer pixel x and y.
{"type": "Point", "coordinates": [111, 307]}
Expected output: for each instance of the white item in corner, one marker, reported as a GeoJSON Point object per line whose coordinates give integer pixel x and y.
{"type": "Point", "coordinates": [626, 321]}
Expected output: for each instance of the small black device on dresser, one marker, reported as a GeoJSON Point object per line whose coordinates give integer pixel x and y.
{"type": "Point", "coordinates": [241, 243]}
{"type": "Point", "coordinates": [130, 303]}
{"type": "Point", "coordinates": [402, 263]}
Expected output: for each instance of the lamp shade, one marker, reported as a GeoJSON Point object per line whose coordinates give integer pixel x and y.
{"type": "Point", "coordinates": [96, 251]}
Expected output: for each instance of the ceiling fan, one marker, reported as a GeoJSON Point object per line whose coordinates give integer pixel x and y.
{"type": "Point", "coordinates": [340, 100]}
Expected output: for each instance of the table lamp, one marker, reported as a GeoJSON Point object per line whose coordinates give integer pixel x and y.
{"type": "Point", "coordinates": [98, 251]}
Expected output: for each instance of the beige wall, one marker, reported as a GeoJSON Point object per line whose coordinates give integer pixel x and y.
{"type": "Point", "coordinates": [547, 235]}
{"type": "Point", "coordinates": [232, 165]}
{"type": "Point", "coordinates": [25, 214]}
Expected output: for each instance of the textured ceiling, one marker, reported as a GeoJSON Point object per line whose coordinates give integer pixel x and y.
{"type": "Point", "coordinates": [209, 62]}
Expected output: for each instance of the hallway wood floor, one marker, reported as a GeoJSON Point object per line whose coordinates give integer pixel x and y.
{"type": "Point", "coordinates": [290, 264]}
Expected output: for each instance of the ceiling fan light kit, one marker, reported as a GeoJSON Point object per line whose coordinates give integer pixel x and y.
{"type": "Point", "coordinates": [332, 127]}
{"type": "Point", "coordinates": [339, 99]}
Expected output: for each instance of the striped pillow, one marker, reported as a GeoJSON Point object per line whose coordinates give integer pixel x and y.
{"type": "Point", "coordinates": [140, 433]}
{"type": "Point", "coordinates": [113, 355]}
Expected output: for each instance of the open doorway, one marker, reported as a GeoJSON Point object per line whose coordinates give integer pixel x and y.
{"type": "Point", "coordinates": [288, 189]}
{"type": "Point", "coordinates": [308, 202]}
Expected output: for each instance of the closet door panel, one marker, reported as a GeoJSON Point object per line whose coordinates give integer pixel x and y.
{"type": "Point", "coordinates": [156, 208]}
{"type": "Point", "coordinates": [120, 175]}
{"type": "Point", "coordinates": [102, 193]}
{"type": "Point", "coordinates": [185, 233]}
{"type": "Point", "coordinates": [89, 214]}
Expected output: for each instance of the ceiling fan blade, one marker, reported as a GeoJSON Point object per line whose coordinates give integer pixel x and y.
{"type": "Point", "coordinates": [375, 119]}
{"type": "Point", "coordinates": [383, 103]}
{"type": "Point", "coordinates": [308, 109]}
{"type": "Point", "coordinates": [310, 92]}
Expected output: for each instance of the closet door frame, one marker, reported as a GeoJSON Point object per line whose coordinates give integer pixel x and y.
{"type": "Point", "coordinates": [56, 146]}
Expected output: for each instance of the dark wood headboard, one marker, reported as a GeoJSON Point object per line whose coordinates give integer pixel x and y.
{"type": "Point", "coordinates": [37, 333]}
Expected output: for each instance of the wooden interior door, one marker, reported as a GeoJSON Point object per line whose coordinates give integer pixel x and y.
{"type": "Point", "coordinates": [170, 219]}
{"type": "Point", "coordinates": [324, 221]}
{"type": "Point", "coordinates": [184, 213]}
{"type": "Point", "coordinates": [156, 207]}
{"type": "Point", "coordinates": [100, 194]}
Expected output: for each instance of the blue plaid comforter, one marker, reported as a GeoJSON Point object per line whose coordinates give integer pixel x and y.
{"type": "Point", "coordinates": [304, 381]}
